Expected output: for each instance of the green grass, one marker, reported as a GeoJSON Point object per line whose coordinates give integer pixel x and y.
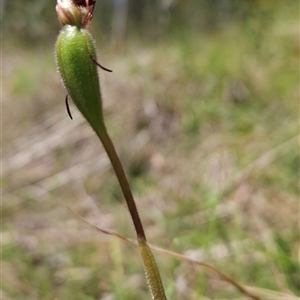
{"type": "Point", "coordinates": [206, 126]}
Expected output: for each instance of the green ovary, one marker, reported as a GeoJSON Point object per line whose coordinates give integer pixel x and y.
{"type": "Point", "coordinates": [74, 49]}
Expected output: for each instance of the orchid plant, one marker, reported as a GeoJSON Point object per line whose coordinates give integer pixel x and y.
{"type": "Point", "coordinates": [77, 64]}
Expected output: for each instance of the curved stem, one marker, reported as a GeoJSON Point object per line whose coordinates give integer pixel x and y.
{"type": "Point", "coordinates": [151, 269]}
{"type": "Point", "coordinates": [117, 166]}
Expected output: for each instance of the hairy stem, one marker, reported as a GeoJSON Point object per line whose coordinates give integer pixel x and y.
{"type": "Point", "coordinates": [150, 265]}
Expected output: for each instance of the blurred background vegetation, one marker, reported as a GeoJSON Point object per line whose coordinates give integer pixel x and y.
{"type": "Point", "coordinates": [203, 108]}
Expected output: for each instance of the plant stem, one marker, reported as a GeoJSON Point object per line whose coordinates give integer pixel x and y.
{"type": "Point", "coordinates": [151, 269]}
{"type": "Point", "coordinates": [118, 168]}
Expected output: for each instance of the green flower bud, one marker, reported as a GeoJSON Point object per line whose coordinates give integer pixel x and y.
{"type": "Point", "coordinates": [75, 52]}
